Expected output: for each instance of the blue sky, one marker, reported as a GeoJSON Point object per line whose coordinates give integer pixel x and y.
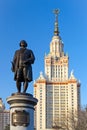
{"type": "Point", "coordinates": [33, 20]}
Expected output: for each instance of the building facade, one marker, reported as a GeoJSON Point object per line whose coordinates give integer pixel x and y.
{"type": "Point", "coordinates": [58, 93]}
{"type": "Point", "coordinates": [4, 116]}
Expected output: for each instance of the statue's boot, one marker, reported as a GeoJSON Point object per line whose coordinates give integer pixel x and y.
{"type": "Point", "coordinates": [18, 84]}
{"type": "Point", "coordinates": [25, 86]}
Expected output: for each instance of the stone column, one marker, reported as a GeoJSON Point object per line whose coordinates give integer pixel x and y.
{"type": "Point", "coordinates": [21, 111]}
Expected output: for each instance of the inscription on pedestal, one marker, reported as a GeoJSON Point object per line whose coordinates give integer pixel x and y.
{"type": "Point", "coordinates": [20, 118]}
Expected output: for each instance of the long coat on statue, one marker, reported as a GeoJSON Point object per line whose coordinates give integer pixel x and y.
{"type": "Point", "coordinates": [21, 65]}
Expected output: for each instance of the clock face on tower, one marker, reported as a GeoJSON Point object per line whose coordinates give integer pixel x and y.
{"type": "Point", "coordinates": [56, 58]}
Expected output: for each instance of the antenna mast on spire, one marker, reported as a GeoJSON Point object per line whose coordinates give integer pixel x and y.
{"type": "Point", "coordinates": [56, 30]}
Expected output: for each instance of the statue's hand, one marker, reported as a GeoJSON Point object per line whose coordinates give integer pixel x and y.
{"type": "Point", "coordinates": [24, 62]}
{"type": "Point", "coordinates": [12, 68]}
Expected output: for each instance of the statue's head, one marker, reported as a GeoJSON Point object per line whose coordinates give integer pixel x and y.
{"type": "Point", "coordinates": [23, 43]}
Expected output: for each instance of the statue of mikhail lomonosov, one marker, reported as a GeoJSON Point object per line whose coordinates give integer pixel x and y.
{"type": "Point", "coordinates": [22, 66]}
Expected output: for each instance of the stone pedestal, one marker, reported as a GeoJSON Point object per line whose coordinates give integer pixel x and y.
{"type": "Point", "coordinates": [21, 111]}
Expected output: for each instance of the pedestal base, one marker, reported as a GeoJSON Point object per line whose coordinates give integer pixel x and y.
{"type": "Point", "coordinates": [21, 111]}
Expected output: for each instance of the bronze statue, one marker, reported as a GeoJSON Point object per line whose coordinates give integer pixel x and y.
{"type": "Point", "coordinates": [21, 66]}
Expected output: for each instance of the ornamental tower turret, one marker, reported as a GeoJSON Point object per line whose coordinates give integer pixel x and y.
{"type": "Point", "coordinates": [56, 62]}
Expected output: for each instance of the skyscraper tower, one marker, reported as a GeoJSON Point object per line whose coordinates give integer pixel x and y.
{"type": "Point", "coordinates": [58, 93]}
{"type": "Point", "coordinates": [4, 116]}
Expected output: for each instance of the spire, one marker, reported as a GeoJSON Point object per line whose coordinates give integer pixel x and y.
{"type": "Point", "coordinates": [56, 30]}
